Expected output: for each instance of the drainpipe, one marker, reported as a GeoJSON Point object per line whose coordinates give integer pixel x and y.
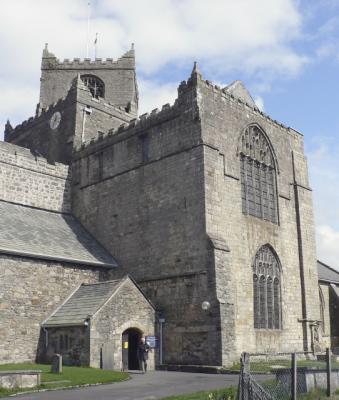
{"type": "Point", "coordinates": [161, 321]}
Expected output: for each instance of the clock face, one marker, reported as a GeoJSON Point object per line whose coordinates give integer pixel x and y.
{"type": "Point", "coordinates": [55, 120]}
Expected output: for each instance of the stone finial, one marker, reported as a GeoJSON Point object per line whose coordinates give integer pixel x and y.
{"type": "Point", "coordinates": [45, 52]}
{"type": "Point", "coordinates": [195, 70]}
{"type": "Point", "coordinates": [8, 127]}
{"type": "Point", "coordinates": [196, 74]}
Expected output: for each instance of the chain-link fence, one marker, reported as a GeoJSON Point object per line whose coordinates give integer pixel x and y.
{"type": "Point", "coordinates": [286, 376]}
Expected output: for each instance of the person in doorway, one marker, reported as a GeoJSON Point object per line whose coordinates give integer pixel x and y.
{"type": "Point", "coordinates": [143, 350]}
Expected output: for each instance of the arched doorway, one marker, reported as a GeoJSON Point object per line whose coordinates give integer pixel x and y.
{"type": "Point", "coordinates": [130, 340]}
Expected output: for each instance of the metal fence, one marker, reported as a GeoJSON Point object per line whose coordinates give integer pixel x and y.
{"type": "Point", "coordinates": [285, 376]}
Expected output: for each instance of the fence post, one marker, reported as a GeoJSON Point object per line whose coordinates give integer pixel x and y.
{"type": "Point", "coordinates": [294, 377]}
{"type": "Point", "coordinates": [243, 387]}
{"type": "Point", "coordinates": [328, 372]}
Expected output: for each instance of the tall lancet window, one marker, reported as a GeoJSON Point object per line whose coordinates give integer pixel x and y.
{"type": "Point", "coordinates": [257, 175]}
{"type": "Point", "coordinates": [266, 289]}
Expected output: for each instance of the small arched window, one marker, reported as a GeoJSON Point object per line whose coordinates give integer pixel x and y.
{"type": "Point", "coordinates": [266, 289]}
{"type": "Point", "coordinates": [95, 85]}
{"type": "Point", "coordinates": [257, 175]}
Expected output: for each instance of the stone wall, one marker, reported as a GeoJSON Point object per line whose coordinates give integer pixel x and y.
{"type": "Point", "coordinates": [32, 181]}
{"type": "Point", "coordinates": [73, 343]}
{"type": "Point", "coordinates": [128, 308]}
{"type": "Point", "coordinates": [329, 317]}
{"type": "Point", "coordinates": [224, 118]}
{"type": "Point", "coordinates": [170, 184]}
{"type": "Point", "coordinates": [29, 291]}
{"type": "Point", "coordinates": [76, 125]}
{"type": "Point", "coordinates": [140, 191]}
{"type": "Point", "coordinates": [52, 142]}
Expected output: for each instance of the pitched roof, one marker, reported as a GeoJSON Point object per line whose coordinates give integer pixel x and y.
{"type": "Point", "coordinates": [326, 273]}
{"type": "Point", "coordinates": [36, 233]}
{"type": "Point", "coordinates": [238, 89]}
{"type": "Point", "coordinates": [82, 304]}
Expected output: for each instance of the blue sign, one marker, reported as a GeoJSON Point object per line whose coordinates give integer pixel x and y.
{"type": "Point", "coordinates": [152, 341]}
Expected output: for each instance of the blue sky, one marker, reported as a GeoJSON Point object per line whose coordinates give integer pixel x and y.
{"type": "Point", "coordinates": [286, 52]}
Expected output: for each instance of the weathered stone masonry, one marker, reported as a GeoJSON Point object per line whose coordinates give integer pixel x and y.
{"type": "Point", "coordinates": [32, 181]}
{"type": "Point", "coordinates": [164, 195]}
{"type": "Point", "coordinates": [171, 186]}
{"type": "Point", "coordinates": [30, 290]}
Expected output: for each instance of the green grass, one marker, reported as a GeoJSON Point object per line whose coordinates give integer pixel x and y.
{"type": "Point", "coordinates": [262, 366]}
{"type": "Point", "coordinates": [70, 376]}
{"type": "Point", "coordinates": [221, 394]}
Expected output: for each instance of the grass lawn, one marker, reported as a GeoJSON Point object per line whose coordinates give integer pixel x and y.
{"type": "Point", "coordinates": [70, 376]}
{"type": "Point", "coordinates": [267, 366]}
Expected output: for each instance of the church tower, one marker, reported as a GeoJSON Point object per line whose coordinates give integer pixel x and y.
{"type": "Point", "coordinates": [79, 100]}
{"type": "Point", "coordinates": [113, 81]}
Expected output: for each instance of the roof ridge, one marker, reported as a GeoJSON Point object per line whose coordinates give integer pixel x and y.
{"type": "Point", "coordinates": [327, 266]}
{"type": "Point", "coordinates": [99, 283]}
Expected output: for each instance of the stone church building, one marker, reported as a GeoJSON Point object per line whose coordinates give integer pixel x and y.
{"type": "Point", "coordinates": [193, 223]}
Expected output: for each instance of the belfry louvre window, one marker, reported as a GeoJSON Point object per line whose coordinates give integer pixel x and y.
{"type": "Point", "coordinates": [257, 175]}
{"type": "Point", "coordinates": [94, 84]}
{"type": "Point", "coordinates": [266, 290]}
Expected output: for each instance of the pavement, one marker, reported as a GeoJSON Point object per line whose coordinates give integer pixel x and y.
{"type": "Point", "coordinates": [151, 386]}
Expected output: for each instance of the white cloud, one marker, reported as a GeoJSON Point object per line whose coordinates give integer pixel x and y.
{"type": "Point", "coordinates": [324, 176]}
{"type": "Point", "coordinates": [259, 101]}
{"type": "Point", "coordinates": [223, 35]}
{"type": "Point", "coordinates": [155, 95]}
{"type": "Point", "coordinates": [327, 243]}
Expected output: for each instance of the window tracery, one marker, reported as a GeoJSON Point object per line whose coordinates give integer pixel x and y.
{"type": "Point", "coordinates": [257, 175]}
{"type": "Point", "coordinates": [95, 85]}
{"type": "Point", "coordinates": [266, 290]}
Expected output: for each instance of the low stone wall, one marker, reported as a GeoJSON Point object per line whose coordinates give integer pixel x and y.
{"type": "Point", "coordinates": [19, 379]}
{"type": "Point", "coordinates": [308, 379]}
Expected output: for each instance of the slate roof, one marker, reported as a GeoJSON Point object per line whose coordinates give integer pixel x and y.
{"type": "Point", "coordinates": [82, 304]}
{"type": "Point", "coordinates": [327, 274]}
{"type": "Point", "coordinates": [36, 233]}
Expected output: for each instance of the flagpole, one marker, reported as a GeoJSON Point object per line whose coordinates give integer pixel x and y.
{"type": "Point", "coordinates": [87, 36]}
{"type": "Point", "coordinates": [95, 45]}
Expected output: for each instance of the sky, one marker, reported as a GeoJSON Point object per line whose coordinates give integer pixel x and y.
{"type": "Point", "coordinates": [286, 52]}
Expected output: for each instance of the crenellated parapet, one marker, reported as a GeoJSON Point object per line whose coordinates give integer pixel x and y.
{"type": "Point", "coordinates": [116, 78]}
{"type": "Point", "coordinates": [196, 80]}
{"type": "Point", "coordinates": [186, 104]}
{"type": "Point", "coordinates": [41, 115]}
{"type": "Point", "coordinates": [50, 61]}
{"type": "Point", "coordinates": [135, 126]}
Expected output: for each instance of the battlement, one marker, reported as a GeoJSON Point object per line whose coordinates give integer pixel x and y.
{"type": "Point", "coordinates": [40, 115]}
{"type": "Point", "coordinates": [224, 93]}
{"type": "Point", "coordinates": [143, 122]}
{"type": "Point", "coordinates": [168, 112]}
{"type": "Point", "coordinates": [50, 61]}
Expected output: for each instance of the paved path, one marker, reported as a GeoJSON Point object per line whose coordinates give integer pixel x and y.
{"type": "Point", "coordinates": [151, 386]}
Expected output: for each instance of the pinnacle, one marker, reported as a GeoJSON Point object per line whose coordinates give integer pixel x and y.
{"type": "Point", "coordinates": [195, 68]}
{"type": "Point", "coordinates": [195, 71]}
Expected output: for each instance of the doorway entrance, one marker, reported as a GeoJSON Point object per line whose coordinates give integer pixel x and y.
{"type": "Point", "coordinates": [130, 341]}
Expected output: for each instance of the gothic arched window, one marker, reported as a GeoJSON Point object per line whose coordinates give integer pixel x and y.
{"type": "Point", "coordinates": [257, 175]}
{"type": "Point", "coordinates": [95, 85]}
{"type": "Point", "coordinates": [266, 289]}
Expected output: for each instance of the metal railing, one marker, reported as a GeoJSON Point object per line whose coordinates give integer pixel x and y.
{"type": "Point", "coordinates": [285, 376]}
